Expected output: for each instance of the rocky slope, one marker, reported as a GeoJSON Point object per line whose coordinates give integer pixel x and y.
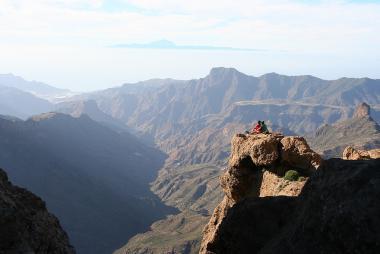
{"type": "Point", "coordinates": [194, 187]}
{"type": "Point", "coordinates": [360, 131]}
{"type": "Point", "coordinates": [25, 224]}
{"type": "Point", "coordinates": [176, 234]}
{"type": "Point", "coordinates": [181, 115]}
{"type": "Point", "coordinates": [252, 156]}
{"type": "Point", "coordinates": [336, 211]}
{"type": "Point", "coordinates": [91, 109]}
{"type": "Point", "coordinates": [195, 191]}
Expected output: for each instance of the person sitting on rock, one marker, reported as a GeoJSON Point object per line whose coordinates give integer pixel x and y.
{"type": "Point", "coordinates": [264, 128]}
{"type": "Point", "coordinates": [257, 129]}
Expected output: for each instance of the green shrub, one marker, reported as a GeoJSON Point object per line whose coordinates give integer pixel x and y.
{"type": "Point", "coordinates": [291, 175]}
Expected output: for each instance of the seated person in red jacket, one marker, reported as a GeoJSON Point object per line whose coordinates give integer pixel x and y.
{"type": "Point", "coordinates": [257, 128]}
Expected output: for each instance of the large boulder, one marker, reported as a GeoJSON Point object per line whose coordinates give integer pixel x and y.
{"type": "Point", "coordinates": [351, 153]}
{"type": "Point", "coordinates": [261, 148]}
{"type": "Point", "coordinates": [296, 152]}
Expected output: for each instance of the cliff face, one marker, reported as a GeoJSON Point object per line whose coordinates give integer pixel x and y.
{"type": "Point", "coordinates": [25, 224]}
{"type": "Point", "coordinates": [336, 211]}
{"type": "Point", "coordinates": [256, 166]}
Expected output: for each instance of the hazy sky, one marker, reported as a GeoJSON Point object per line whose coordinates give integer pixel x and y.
{"type": "Point", "coordinates": [68, 43]}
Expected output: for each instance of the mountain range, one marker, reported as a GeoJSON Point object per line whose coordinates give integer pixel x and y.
{"type": "Point", "coordinates": [183, 128]}
{"type": "Point", "coordinates": [294, 103]}
{"type": "Point", "coordinates": [38, 89]}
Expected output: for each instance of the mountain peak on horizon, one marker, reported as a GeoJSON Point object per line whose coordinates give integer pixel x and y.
{"type": "Point", "coordinates": [223, 70]}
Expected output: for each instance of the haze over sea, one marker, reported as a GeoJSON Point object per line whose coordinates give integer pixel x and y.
{"type": "Point", "coordinates": [70, 44]}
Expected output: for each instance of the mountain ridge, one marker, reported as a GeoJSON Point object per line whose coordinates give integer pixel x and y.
{"type": "Point", "coordinates": [38, 89]}
{"type": "Point", "coordinates": [193, 121]}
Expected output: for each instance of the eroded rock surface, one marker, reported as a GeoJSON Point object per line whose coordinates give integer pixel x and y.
{"type": "Point", "coordinates": [256, 166]}
{"type": "Point", "coordinates": [25, 224]}
{"type": "Point", "coordinates": [335, 212]}
{"type": "Point", "coordinates": [351, 153]}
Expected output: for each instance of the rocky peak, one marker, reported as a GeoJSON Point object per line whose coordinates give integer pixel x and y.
{"type": "Point", "coordinates": [25, 224]}
{"type": "Point", "coordinates": [256, 165]}
{"type": "Point", "coordinates": [362, 110]}
{"type": "Point", "coordinates": [222, 72]}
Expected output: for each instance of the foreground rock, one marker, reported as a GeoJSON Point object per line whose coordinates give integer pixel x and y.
{"type": "Point", "coordinates": [256, 165]}
{"type": "Point", "coordinates": [25, 224]}
{"type": "Point", "coordinates": [351, 153]}
{"type": "Point", "coordinates": [336, 211]}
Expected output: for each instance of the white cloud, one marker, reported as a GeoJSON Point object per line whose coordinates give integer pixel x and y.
{"type": "Point", "coordinates": [333, 28]}
{"type": "Point", "coordinates": [286, 25]}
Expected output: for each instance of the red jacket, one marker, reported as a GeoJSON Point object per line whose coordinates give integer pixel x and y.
{"type": "Point", "coordinates": [257, 128]}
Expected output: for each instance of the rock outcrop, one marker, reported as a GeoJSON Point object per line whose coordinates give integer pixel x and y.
{"type": "Point", "coordinates": [25, 224]}
{"type": "Point", "coordinates": [362, 110]}
{"type": "Point", "coordinates": [351, 153]}
{"type": "Point", "coordinates": [335, 212]}
{"type": "Point", "coordinates": [254, 158]}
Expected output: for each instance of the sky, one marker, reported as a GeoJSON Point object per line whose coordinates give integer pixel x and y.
{"type": "Point", "coordinates": [85, 45]}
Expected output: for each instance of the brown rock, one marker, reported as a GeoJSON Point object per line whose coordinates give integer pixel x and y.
{"type": "Point", "coordinates": [273, 185]}
{"type": "Point", "coordinates": [261, 148]}
{"type": "Point", "coordinates": [362, 110]}
{"type": "Point", "coordinates": [337, 212]}
{"type": "Point", "coordinates": [351, 153]}
{"type": "Point", "coordinates": [255, 166]}
{"type": "Point", "coordinates": [25, 224]}
{"type": "Point", "coordinates": [374, 153]}
{"type": "Point", "coordinates": [295, 152]}
{"type": "Point", "coordinates": [211, 230]}
{"type": "Point", "coordinates": [242, 182]}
